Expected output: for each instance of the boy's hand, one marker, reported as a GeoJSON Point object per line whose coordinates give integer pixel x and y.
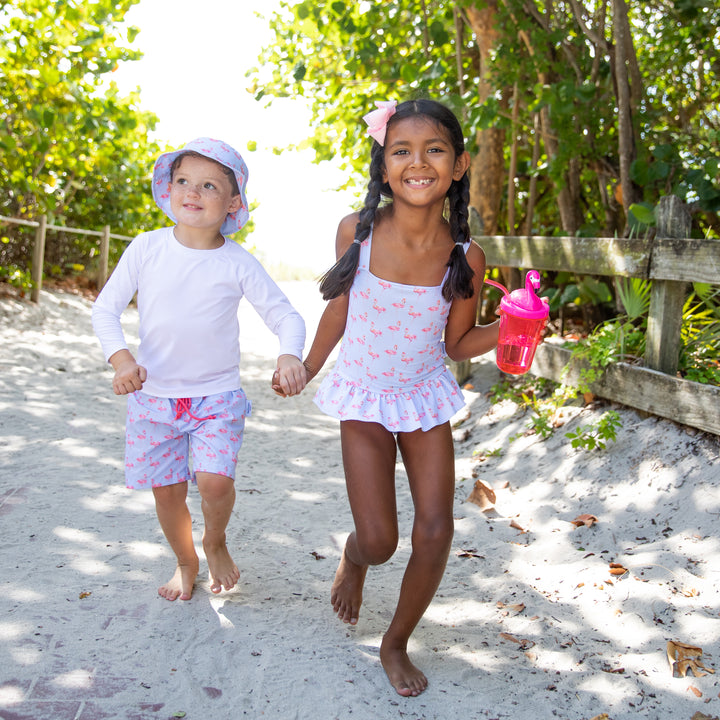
{"type": "Point", "coordinates": [129, 376]}
{"type": "Point", "coordinates": [290, 377]}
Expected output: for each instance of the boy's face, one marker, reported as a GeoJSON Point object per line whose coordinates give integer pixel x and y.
{"type": "Point", "coordinates": [201, 195]}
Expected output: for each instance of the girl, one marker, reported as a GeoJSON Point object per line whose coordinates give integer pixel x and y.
{"type": "Point", "coordinates": [407, 273]}
{"type": "Point", "coordinates": [185, 400]}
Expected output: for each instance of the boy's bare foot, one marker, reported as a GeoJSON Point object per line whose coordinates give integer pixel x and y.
{"type": "Point", "coordinates": [407, 680]}
{"type": "Point", "coordinates": [181, 584]}
{"type": "Point", "coordinates": [223, 571]}
{"type": "Point", "coordinates": [346, 592]}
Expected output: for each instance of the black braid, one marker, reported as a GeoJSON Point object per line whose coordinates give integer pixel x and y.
{"type": "Point", "coordinates": [459, 281]}
{"type": "Point", "coordinates": [339, 278]}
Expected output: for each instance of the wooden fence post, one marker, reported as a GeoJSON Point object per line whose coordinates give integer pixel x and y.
{"type": "Point", "coordinates": [104, 254]}
{"type": "Point", "coordinates": [667, 297]}
{"type": "Point", "coordinates": [38, 259]}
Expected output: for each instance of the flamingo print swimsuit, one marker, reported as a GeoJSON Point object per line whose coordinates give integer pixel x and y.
{"type": "Point", "coordinates": [391, 364]}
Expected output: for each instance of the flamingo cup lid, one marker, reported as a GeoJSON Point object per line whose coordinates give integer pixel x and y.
{"type": "Point", "coordinates": [524, 302]}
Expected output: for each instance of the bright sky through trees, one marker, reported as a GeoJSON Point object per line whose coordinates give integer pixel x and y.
{"type": "Point", "coordinates": [192, 76]}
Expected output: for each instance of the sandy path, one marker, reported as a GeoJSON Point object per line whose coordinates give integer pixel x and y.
{"type": "Point", "coordinates": [85, 637]}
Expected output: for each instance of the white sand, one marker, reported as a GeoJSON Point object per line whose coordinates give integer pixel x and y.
{"type": "Point", "coordinates": [84, 636]}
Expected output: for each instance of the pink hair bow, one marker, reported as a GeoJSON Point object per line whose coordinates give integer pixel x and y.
{"type": "Point", "coordinates": [377, 120]}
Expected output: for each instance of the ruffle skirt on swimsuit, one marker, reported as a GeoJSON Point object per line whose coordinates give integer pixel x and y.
{"type": "Point", "coordinates": [421, 406]}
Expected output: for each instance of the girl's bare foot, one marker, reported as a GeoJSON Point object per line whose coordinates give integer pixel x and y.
{"type": "Point", "coordinates": [181, 584]}
{"type": "Point", "coordinates": [407, 680]}
{"type": "Point", "coordinates": [223, 571]}
{"type": "Point", "coordinates": [346, 592]}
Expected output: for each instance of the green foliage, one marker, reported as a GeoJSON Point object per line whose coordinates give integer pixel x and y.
{"type": "Point", "coordinates": [700, 336]}
{"type": "Point", "coordinates": [634, 294]}
{"type": "Point", "coordinates": [560, 57]}
{"type": "Point", "coordinates": [72, 147]}
{"type": "Point", "coordinates": [622, 339]}
{"type": "Point", "coordinates": [17, 277]}
{"type": "Point", "coordinates": [389, 50]}
{"type": "Point", "coordinates": [596, 435]}
{"type": "Point", "coordinates": [545, 399]}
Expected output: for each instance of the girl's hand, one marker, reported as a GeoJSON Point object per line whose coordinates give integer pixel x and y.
{"type": "Point", "coordinates": [290, 376]}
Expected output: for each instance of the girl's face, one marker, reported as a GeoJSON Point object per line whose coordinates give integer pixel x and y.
{"type": "Point", "coordinates": [201, 195]}
{"type": "Point", "coordinates": [420, 162]}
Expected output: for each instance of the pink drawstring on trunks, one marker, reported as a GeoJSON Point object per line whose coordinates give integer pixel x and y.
{"type": "Point", "coordinates": [184, 405]}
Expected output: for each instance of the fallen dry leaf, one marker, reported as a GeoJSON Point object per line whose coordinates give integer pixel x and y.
{"type": "Point", "coordinates": [468, 386]}
{"type": "Point", "coordinates": [613, 671]}
{"type": "Point", "coordinates": [517, 607]}
{"type": "Point", "coordinates": [84, 594]}
{"type": "Point", "coordinates": [585, 519]}
{"type": "Point", "coordinates": [517, 526]}
{"type": "Point", "coordinates": [524, 644]}
{"type": "Point", "coordinates": [618, 570]}
{"type": "Point", "coordinates": [470, 553]}
{"type": "Point", "coordinates": [695, 691]}
{"type": "Point", "coordinates": [702, 716]}
{"type": "Point", "coordinates": [602, 716]}
{"type": "Point", "coordinates": [483, 496]}
{"type": "Point", "coordinates": [683, 657]}
{"type": "Point", "coordinates": [317, 556]}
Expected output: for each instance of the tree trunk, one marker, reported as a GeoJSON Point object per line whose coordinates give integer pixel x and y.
{"type": "Point", "coordinates": [626, 137]}
{"type": "Point", "coordinates": [487, 168]}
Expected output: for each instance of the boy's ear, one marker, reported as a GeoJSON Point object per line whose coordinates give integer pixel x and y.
{"type": "Point", "coordinates": [235, 203]}
{"type": "Point", "coordinates": [461, 165]}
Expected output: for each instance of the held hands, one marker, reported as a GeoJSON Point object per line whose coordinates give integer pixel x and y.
{"type": "Point", "coordinates": [290, 376]}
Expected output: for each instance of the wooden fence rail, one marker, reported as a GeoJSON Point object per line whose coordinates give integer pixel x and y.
{"type": "Point", "coordinates": [41, 228]}
{"type": "Point", "coordinates": [670, 260]}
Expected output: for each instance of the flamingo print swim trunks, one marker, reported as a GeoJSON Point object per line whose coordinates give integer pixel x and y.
{"type": "Point", "coordinates": [168, 440]}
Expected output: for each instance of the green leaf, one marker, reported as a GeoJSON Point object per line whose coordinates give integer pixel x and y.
{"type": "Point", "coordinates": [643, 213]}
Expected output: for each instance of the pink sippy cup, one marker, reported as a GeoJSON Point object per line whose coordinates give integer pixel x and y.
{"type": "Point", "coordinates": [522, 319]}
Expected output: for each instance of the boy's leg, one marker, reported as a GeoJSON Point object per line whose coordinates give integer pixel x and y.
{"type": "Point", "coordinates": [429, 461]}
{"type": "Point", "coordinates": [369, 453]}
{"type": "Point", "coordinates": [176, 524]}
{"type": "Point", "coordinates": [218, 498]}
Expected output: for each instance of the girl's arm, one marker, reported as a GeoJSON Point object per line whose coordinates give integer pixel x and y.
{"type": "Point", "coordinates": [332, 323]}
{"type": "Point", "coordinates": [463, 338]}
{"type": "Point", "coordinates": [329, 331]}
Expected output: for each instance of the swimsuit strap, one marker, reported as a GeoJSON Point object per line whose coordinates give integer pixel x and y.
{"type": "Point", "coordinates": [184, 405]}
{"type": "Point", "coordinates": [364, 261]}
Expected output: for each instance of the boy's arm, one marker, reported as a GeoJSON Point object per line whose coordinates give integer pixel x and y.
{"type": "Point", "coordinates": [106, 312]}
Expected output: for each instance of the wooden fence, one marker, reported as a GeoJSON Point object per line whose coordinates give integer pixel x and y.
{"type": "Point", "coordinates": [670, 260]}
{"type": "Point", "coordinates": [41, 228]}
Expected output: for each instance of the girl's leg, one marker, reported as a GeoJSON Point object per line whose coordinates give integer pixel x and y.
{"type": "Point", "coordinates": [429, 461]}
{"type": "Point", "coordinates": [176, 524]}
{"type": "Point", "coordinates": [217, 493]}
{"type": "Point", "coordinates": [369, 453]}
